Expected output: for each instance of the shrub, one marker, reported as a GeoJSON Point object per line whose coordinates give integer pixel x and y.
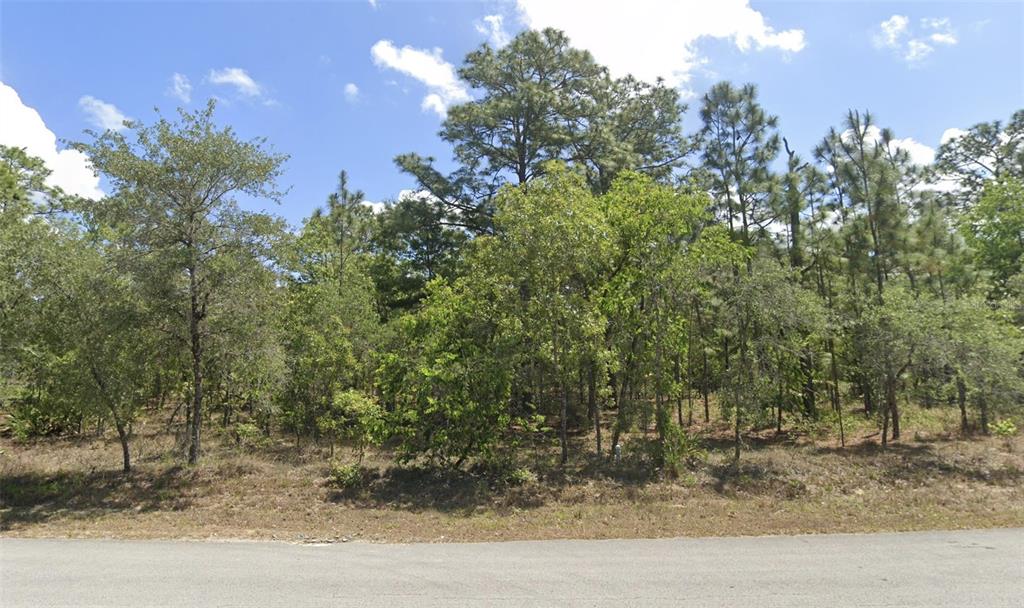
{"type": "Point", "coordinates": [678, 451]}
{"type": "Point", "coordinates": [248, 436]}
{"type": "Point", "coordinates": [520, 476]}
{"type": "Point", "coordinates": [345, 476]}
{"type": "Point", "coordinates": [1004, 429]}
{"type": "Point", "coordinates": [681, 449]}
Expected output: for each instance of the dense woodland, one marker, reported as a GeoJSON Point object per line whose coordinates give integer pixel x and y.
{"type": "Point", "coordinates": [587, 268]}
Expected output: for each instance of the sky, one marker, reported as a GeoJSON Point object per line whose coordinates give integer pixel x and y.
{"type": "Point", "coordinates": [350, 85]}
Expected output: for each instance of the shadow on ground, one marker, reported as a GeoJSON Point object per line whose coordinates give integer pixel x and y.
{"type": "Point", "coordinates": [33, 498]}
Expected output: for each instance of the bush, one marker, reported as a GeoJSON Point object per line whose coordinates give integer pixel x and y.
{"type": "Point", "coordinates": [520, 476]}
{"type": "Point", "coordinates": [345, 476]}
{"type": "Point", "coordinates": [1004, 429]}
{"type": "Point", "coordinates": [30, 418]}
{"type": "Point", "coordinates": [681, 449]}
{"type": "Point", "coordinates": [248, 436]}
{"type": "Point", "coordinates": [677, 452]}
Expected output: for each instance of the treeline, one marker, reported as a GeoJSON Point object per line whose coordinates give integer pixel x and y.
{"type": "Point", "coordinates": [586, 266]}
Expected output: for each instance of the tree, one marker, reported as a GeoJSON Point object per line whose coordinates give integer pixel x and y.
{"type": "Point", "coordinates": [994, 229]}
{"type": "Point", "coordinates": [71, 321]}
{"type": "Point", "coordinates": [447, 380]}
{"type": "Point", "coordinates": [94, 338]}
{"type": "Point", "coordinates": [174, 187]}
{"type": "Point", "coordinates": [647, 291]}
{"type": "Point", "coordinates": [551, 243]}
{"type": "Point", "coordinates": [412, 245]}
{"type": "Point", "coordinates": [738, 142]}
{"type": "Point", "coordinates": [543, 100]}
{"type": "Point", "coordinates": [330, 324]}
{"type": "Point", "coordinates": [31, 245]}
{"type": "Point", "coordinates": [986, 151]}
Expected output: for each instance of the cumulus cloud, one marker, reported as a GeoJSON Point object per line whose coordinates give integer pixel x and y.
{"type": "Point", "coordinates": [891, 31]}
{"type": "Point", "coordinates": [920, 154]}
{"type": "Point", "coordinates": [237, 78]}
{"type": "Point", "coordinates": [917, 50]}
{"type": "Point", "coordinates": [23, 127]}
{"type": "Point", "coordinates": [951, 134]}
{"type": "Point", "coordinates": [101, 114]}
{"type": "Point", "coordinates": [181, 88]}
{"type": "Point", "coordinates": [375, 206]}
{"type": "Point", "coordinates": [914, 45]}
{"type": "Point", "coordinates": [428, 67]}
{"type": "Point", "coordinates": [941, 30]}
{"type": "Point", "coordinates": [351, 92]}
{"type": "Point", "coordinates": [492, 26]}
{"type": "Point", "coordinates": [658, 38]}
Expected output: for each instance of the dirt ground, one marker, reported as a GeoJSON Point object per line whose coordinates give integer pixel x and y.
{"type": "Point", "coordinates": [796, 482]}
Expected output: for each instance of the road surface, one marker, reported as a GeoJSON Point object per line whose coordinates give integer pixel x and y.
{"type": "Point", "coordinates": [933, 569]}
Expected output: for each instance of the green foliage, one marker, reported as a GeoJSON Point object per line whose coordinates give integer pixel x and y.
{"type": "Point", "coordinates": [447, 380]}
{"type": "Point", "coordinates": [555, 282]}
{"type": "Point", "coordinates": [993, 229]}
{"type": "Point", "coordinates": [680, 450]}
{"type": "Point", "coordinates": [248, 436]}
{"type": "Point", "coordinates": [520, 476]}
{"type": "Point", "coordinates": [1004, 428]}
{"type": "Point", "coordinates": [179, 232]}
{"type": "Point", "coordinates": [345, 476]}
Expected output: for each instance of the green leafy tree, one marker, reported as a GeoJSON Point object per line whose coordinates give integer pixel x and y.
{"type": "Point", "coordinates": [987, 151]}
{"type": "Point", "coordinates": [543, 100]}
{"type": "Point", "coordinates": [994, 229]}
{"type": "Point", "coordinates": [174, 204]}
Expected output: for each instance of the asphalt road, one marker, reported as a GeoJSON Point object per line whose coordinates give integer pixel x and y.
{"type": "Point", "coordinates": [969, 568]}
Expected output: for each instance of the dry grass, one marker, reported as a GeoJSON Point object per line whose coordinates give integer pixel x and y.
{"type": "Point", "coordinates": [798, 482]}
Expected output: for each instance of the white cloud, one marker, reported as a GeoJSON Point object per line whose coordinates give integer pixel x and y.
{"type": "Point", "coordinates": [492, 26]}
{"type": "Point", "coordinates": [942, 30]}
{"type": "Point", "coordinates": [101, 114]}
{"type": "Point", "coordinates": [180, 88]}
{"type": "Point", "coordinates": [373, 4]}
{"type": "Point", "coordinates": [657, 38]}
{"type": "Point", "coordinates": [375, 206]}
{"type": "Point", "coordinates": [917, 50]}
{"type": "Point", "coordinates": [913, 47]}
{"type": "Point", "coordinates": [951, 134]}
{"type": "Point", "coordinates": [351, 92]}
{"type": "Point", "coordinates": [23, 127]}
{"type": "Point", "coordinates": [920, 154]}
{"type": "Point", "coordinates": [891, 31]}
{"type": "Point", "coordinates": [429, 67]}
{"type": "Point", "coordinates": [238, 78]}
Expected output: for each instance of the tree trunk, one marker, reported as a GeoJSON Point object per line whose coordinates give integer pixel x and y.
{"type": "Point", "coordinates": [836, 403]}
{"type": "Point", "coordinates": [891, 404]}
{"type": "Point", "coordinates": [885, 427]}
{"type": "Point", "coordinates": [961, 400]}
{"type": "Point", "coordinates": [564, 433]}
{"type": "Point", "coordinates": [592, 403]}
{"type": "Point", "coordinates": [122, 435]}
{"type": "Point", "coordinates": [736, 436]}
{"type": "Point", "coordinates": [983, 406]}
{"type": "Point", "coordinates": [869, 402]}
{"type": "Point", "coordinates": [807, 367]}
{"type": "Point", "coordinates": [197, 367]}
{"type": "Point", "coordinates": [679, 395]}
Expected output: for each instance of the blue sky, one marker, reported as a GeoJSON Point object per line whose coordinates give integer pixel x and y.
{"type": "Point", "coordinates": [352, 84]}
